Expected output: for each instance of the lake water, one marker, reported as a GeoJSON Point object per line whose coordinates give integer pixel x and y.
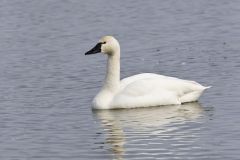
{"type": "Point", "coordinates": [47, 84]}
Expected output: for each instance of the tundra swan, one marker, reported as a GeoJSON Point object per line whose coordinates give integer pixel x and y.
{"type": "Point", "coordinates": [141, 90]}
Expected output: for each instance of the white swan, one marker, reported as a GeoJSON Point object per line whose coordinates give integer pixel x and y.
{"type": "Point", "coordinates": [142, 90]}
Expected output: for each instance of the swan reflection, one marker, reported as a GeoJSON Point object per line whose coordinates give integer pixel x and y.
{"type": "Point", "coordinates": [151, 120]}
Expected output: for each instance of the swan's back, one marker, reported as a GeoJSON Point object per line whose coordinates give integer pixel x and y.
{"type": "Point", "coordinates": [150, 89]}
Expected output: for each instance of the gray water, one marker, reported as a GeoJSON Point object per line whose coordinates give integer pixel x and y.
{"type": "Point", "coordinates": [47, 84]}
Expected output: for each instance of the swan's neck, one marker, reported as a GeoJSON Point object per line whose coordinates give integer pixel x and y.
{"type": "Point", "coordinates": [112, 79]}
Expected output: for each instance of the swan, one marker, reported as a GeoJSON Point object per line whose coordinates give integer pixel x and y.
{"type": "Point", "coordinates": [141, 90]}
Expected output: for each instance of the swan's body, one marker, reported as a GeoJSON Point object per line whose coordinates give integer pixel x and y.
{"type": "Point", "coordinates": [142, 90]}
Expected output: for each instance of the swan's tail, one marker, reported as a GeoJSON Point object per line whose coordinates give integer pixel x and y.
{"type": "Point", "coordinates": [194, 95]}
{"type": "Point", "coordinates": [207, 87]}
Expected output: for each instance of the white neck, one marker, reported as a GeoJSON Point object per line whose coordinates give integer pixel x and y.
{"type": "Point", "coordinates": [112, 79]}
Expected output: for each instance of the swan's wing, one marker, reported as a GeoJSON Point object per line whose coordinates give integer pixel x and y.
{"type": "Point", "coordinates": [141, 93]}
{"type": "Point", "coordinates": [128, 80]}
{"type": "Point", "coordinates": [151, 89]}
{"type": "Point", "coordinates": [169, 83]}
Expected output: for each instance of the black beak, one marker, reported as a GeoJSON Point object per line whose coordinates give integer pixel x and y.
{"type": "Point", "coordinates": [94, 50]}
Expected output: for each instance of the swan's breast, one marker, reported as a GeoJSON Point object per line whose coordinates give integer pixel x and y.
{"type": "Point", "coordinates": [102, 100]}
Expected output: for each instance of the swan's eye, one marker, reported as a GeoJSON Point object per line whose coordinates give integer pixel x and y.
{"type": "Point", "coordinates": [103, 42]}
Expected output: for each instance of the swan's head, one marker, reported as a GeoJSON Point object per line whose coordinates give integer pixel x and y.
{"type": "Point", "coordinates": [107, 45]}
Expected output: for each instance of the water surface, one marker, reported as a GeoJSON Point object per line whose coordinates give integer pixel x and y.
{"type": "Point", "coordinates": [47, 83]}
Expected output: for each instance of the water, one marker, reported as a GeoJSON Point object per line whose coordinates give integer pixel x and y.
{"type": "Point", "coordinates": [47, 83]}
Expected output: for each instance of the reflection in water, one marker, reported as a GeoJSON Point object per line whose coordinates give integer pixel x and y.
{"type": "Point", "coordinates": [151, 121]}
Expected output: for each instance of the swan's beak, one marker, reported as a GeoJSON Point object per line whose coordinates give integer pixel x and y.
{"type": "Point", "coordinates": [94, 50]}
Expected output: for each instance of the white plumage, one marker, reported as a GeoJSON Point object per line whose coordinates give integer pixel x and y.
{"type": "Point", "coordinates": [142, 90]}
